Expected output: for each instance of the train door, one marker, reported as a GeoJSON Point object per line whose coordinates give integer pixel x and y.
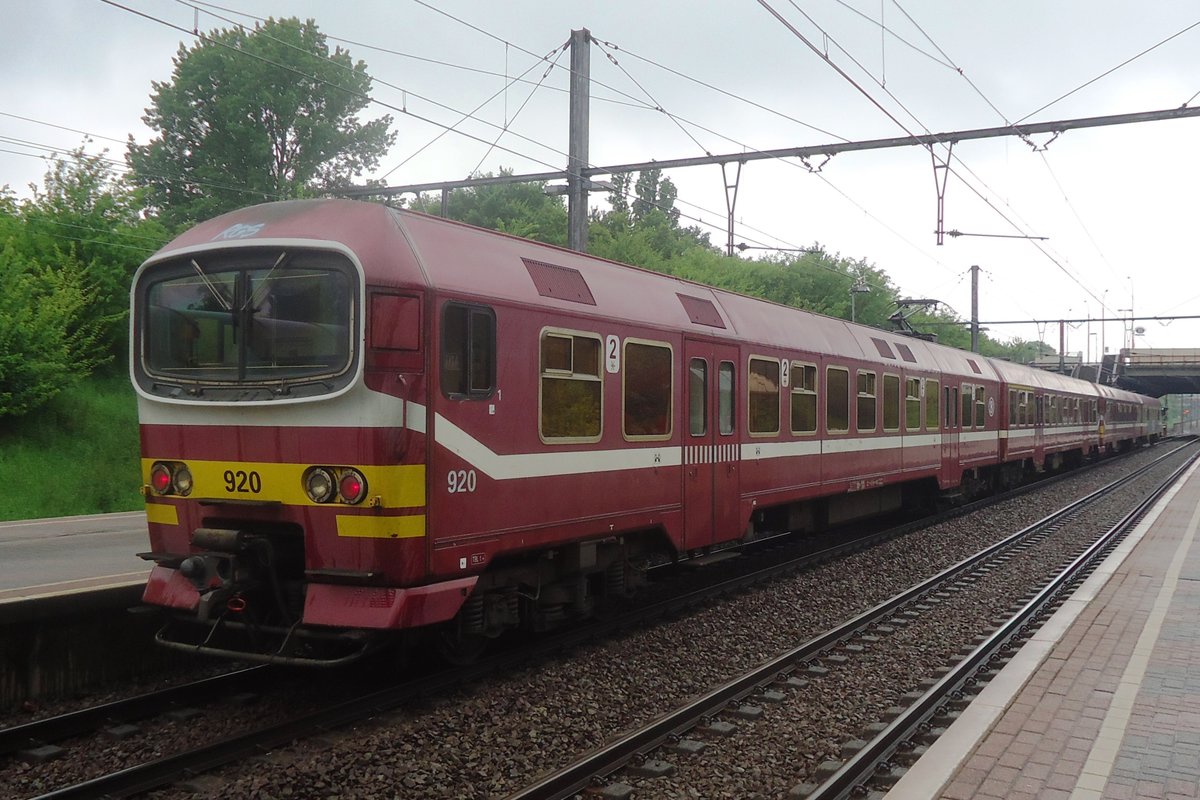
{"type": "Point", "coordinates": [1039, 430]}
{"type": "Point", "coordinates": [950, 436]}
{"type": "Point", "coordinates": [711, 492]}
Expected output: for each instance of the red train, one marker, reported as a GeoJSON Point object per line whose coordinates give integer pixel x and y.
{"type": "Point", "coordinates": [358, 421]}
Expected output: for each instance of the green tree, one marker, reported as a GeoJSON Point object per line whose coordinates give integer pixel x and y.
{"type": "Point", "coordinates": [642, 225]}
{"type": "Point", "coordinates": [85, 217]}
{"type": "Point", "coordinates": [520, 209]}
{"type": "Point", "coordinates": [654, 194]}
{"type": "Point", "coordinates": [256, 115]}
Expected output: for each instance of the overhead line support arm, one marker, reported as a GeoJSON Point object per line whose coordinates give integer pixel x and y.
{"type": "Point", "coordinates": [927, 140]}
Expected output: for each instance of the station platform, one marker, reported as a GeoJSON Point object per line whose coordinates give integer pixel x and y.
{"type": "Point", "coordinates": [65, 557]}
{"type": "Point", "coordinates": [1104, 701]}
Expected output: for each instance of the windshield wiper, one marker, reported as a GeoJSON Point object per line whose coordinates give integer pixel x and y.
{"type": "Point", "coordinates": [212, 287]}
{"type": "Point", "coordinates": [261, 290]}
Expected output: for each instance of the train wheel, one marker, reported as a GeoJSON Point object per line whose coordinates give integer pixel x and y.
{"type": "Point", "coordinates": [459, 648]}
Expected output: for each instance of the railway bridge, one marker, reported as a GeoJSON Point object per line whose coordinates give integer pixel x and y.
{"type": "Point", "coordinates": [1158, 372]}
{"type": "Point", "coordinates": [1154, 372]}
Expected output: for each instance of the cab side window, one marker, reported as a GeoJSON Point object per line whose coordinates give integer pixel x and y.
{"type": "Point", "coordinates": [468, 351]}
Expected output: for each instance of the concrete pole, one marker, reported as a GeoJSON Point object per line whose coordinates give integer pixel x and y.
{"type": "Point", "coordinates": [1062, 346]}
{"type": "Point", "coordinates": [577, 149]}
{"type": "Point", "coordinates": [974, 308]}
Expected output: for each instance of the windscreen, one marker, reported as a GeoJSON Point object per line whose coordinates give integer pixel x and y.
{"type": "Point", "coordinates": [269, 318]}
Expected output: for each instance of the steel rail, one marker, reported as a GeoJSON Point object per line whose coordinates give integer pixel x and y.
{"type": "Point", "coordinates": [639, 743]}
{"type": "Point", "coordinates": [858, 769]}
{"type": "Point", "coordinates": [129, 709]}
{"type": "Point", "coordinates": [162, 771]}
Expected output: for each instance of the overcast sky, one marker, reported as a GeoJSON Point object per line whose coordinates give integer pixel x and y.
{"type": "Point", "coordinates": [1118, 204]}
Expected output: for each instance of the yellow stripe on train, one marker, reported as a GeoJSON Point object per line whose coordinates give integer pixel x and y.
{"type": "Point", "coordinates": [161, 513]}
{"type": "Point", "coordinates": [372, 527]}
{"type": "Point", "coordinates": [399, 486]}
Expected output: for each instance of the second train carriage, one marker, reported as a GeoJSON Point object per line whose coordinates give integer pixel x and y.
{"type": "Point", "coordinates": [357, 421]}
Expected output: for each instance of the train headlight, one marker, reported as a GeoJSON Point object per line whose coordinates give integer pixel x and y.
{"type": "Point", "coordinates": [319, 485]}
{"type": "Point", "coordinates": [160, 478]}
{"type": "Point", "coordinates": [352, 486]}
{"type": "Point", "coordinates": [183, 480]}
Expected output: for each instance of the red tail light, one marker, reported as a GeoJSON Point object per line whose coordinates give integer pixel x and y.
{"type": "Point", "coordinates": [352, 486]}
{"type": "Point", "coordinates": [160, 478]}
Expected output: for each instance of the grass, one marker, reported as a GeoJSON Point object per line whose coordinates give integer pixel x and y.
{"type": "Point", "coordinates": [76, 455]}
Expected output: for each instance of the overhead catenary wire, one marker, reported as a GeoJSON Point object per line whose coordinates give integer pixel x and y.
{"type": "Point", "coordinates": [1041, 151]}
{"type": "Point", "coordinates": [207, 38]}
{"type": "Point", "coordinates": [542, 58]}
{"type": "Point", "coordinates": [787, 161]}
{"type": "Point", "coordinates": [452, 128]}
{"type": "Point", "coordinates": [885, 30]}
{"type": "Point", "coordinates": [372, 99]}
{"type": "Point", "coordinates": [1058, 264]}
{"type": "Point", "coordinates": [390, 106]}
{"type": "Point", "coordinates": [1108, 72]}
{"type": "Point", "coordinates": [825, 57]}
{"type": "Point", "coordinates": [458, 20]}
{"type": "Point", "coordinates": [657, 105]}
{"type": "Point", "coordinates": [123, 168]}
{"type": "Point", "coordinates": [509, 121]}
{"type": "Point", "coordinates": [201, 5]}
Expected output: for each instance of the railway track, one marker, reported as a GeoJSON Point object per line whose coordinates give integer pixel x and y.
{"type": "Point", "coordinates": [758, 568]}
{"type": "Point", "coordinates": [35, 740]}
{"type": "Point", "coordinates": [692, 727]}
{"type": "Point", "coordinates": [873, 761]}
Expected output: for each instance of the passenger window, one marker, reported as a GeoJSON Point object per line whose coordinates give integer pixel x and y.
{"type": "Point", "coordinates": [804, 398]}
{"type": "Point", "coordinates": [932, 410]}
{"type": "Point", "coordinates": [698, 397]}
{"type": "Point", "coordinates": [571, 387]}
{"type": "Point", "coordinates": [891, 402]}
{"type": "Point", "coordinates": [980, 407]}
{"type": "Point", "coordinates": [837, 400]}
{"type": "Point", "coordinates": [763, 389]}
{"type": "Point", "coordinates": [912, 404]}
{"type": "Point", "coordinates": [468, 351]}
{"type": "Point", "coordinates": [725, 389]}
{"type": "Point", "coordinates": [865, 419]}
{"type": "Point", "coordinates": [648, 390]}
{"type": "Point", "coordinates": [967, 392]}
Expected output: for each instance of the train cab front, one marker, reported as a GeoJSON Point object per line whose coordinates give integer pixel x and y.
{"type": "Point", "coordinates": [314, 565]}
{"type": "Point", "coordinates": [284, 481]}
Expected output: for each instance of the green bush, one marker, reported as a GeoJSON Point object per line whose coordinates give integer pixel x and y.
{"type": "Point", "coordinates": [45, 343]}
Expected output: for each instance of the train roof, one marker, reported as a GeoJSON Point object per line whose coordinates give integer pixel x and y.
{"type": "Point", "coordinates": [533, 273]}
{"type": "Point", "coordinates": [408, 249]}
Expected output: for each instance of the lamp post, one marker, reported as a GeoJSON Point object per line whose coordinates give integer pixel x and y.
{"type": "Point", "coordinates": [858, 288]}
{"type": "Point", "coordinates": [1087, 314]}
{"type": "Point", "coordinates": [1130, 310]}
{"type": "Point", "coordinates": [1132, 306]}
{"type": "Point", "coordinates": [1103, 297]}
